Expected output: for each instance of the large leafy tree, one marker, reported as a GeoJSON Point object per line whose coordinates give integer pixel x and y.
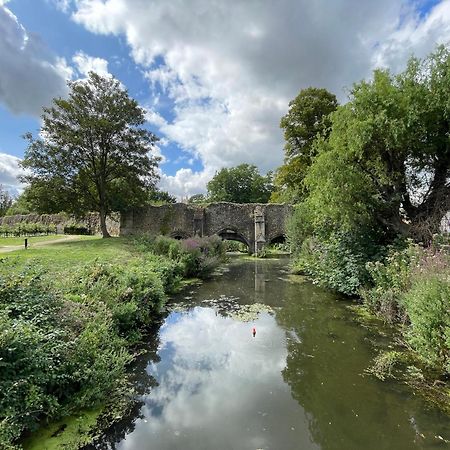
{"type": "Point", "coordinates": [308, 117]}
{"type": "Point", "coordinates": [240, 184]}
{"type": "Point", "coordinates": [387, 160]}
{"type": "Point", "coordinates": [93, 153]}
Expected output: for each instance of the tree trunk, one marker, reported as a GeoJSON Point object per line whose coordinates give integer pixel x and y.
{"type": "Point", "coordinates": [103, 228]}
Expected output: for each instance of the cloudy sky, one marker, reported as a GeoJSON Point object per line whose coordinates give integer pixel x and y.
{"type": "Point", "coordinates": [214, 75]}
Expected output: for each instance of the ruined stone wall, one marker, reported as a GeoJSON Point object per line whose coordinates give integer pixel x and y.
{"type": "Point", "coordinates": [90, 221]}
{"type": "Point", "coordinates": [229, 220]}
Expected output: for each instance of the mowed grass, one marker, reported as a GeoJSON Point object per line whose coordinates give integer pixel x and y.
{"type": "Point", "coordinates": [12, 241]}
{"type": "Point", "coordinates": [59, 257]}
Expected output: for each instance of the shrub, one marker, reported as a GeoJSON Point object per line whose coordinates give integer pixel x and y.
{"type": "Point", "coordinates": [337, 262]}
{"type": "Point", "coordinates": [389, 280]}
{"type": "Point", "coordinates": [56, 356]}
{"type": "Point", "coordinates": [428, 306]}
{"type": "Point", "coordinates": [76, 229]}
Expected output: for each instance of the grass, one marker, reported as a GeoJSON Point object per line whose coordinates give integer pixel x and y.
{"type": "Point", "coordinates": [11, 241]}
{"type": "Point", "coordinates": [66, 255]}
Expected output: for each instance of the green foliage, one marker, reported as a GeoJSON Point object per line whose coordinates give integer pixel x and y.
{"type": "Point", "coordinates": [381, 173]}
{"type": "Point", "coordinates": [197, 257]}
{"type": "Point", "coordinates": [6, 201]}
{"type": "Point", "coordinates": [21, 205]}
{"type": "Point", "coordinates": [428, 306]}
{"type": "Point", "coordinates": [389, 279]}
{"type": "Point", "coordinates": [235, 246]}
{"type": "Point", "coordinates": [56, 356]}
{"type": "Point", "coordinates": [197, 198]}
{"type": "Point", "coordinates": [93, 154]}
{"type": "Point", "coordinates": [385, 364]}
{"type": "Point", "coordinates": [308, 117]}
{"type": "Point", "coordinates": [337, 261]}
{"type": "Point", "coordinates": [27, 229]}
{"type": "Point", "coordinates": [412, 285]}
{"type": "Point", "coordinates": [240, 184]}
{"type": "Point", "coordinates": [76, 228]}
{"type": "Point", "coordinates": [158, 197]}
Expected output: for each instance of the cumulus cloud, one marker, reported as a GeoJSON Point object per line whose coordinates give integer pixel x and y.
{"type": "Point", "coordinates": [9, 173]}
{"type": "Point", "coordinates": [231, 68]}
{"type": "Point", "coordinates": [85, 64]}
{"type": "Point", "coordinates": [30, 76]}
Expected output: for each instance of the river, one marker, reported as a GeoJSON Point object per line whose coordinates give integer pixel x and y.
{"type": "Point", "coordinates": [206, 383]}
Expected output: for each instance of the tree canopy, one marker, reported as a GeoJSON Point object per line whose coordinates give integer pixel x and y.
{"type": "Point", "coordinates": [307, 118]}
{"type": "Point", "coordinates": [240, 184]}
{"type": "Point", "coordinates": [93, 153]}
{"type": "Point", "coordinates": [387, 159]}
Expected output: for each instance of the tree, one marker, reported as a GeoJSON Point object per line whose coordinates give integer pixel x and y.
{"type": "Point", "coordinates": [392, 142]}
{"type": "Point", "coordinates": [93, 153]}
{"type": "Point", "coordinates": [161, 197]}
{"type": "Point", "coordinates": [382, 174]}
{"type": "Point", "coordinates": [6, 200]}
{"type": "Point", "coordinates": [308, 117]}
{"type": "Point", "coordinates": [197, 198]}
{"type": "Point", "coordinates": [240, 184]}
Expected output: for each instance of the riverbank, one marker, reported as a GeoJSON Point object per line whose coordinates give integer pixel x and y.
{"type": "Point", "coordinates": [72, 314]}
{"type": "Point", "coordinates": [408, 289]}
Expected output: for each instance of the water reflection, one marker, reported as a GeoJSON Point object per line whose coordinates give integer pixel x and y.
{"type": "Point", "coordinates": [219, 388]}
{"type": "Point", "coordinates": [297, 385]}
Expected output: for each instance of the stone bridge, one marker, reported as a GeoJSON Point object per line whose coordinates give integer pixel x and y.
{"type": "Point", "coordinates": [254, 224]}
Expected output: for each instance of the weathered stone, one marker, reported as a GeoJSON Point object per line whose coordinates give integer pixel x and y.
{"type": "Point", "coordinates": [254, 224]}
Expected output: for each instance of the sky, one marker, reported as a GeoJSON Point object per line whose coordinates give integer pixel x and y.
{"type": "Point", "coordinates": [215, 76]}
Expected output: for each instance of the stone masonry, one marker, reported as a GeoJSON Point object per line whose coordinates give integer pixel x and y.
{"type": "Point", "coordinates": [254, 224]}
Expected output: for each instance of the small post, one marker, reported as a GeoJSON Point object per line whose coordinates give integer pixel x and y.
{"type": "Point", "coordinates": [26, 243]}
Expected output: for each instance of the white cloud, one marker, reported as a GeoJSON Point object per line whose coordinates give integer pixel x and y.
{"type": "Point", "coordinates": [9, 173]}
{"type": "Point", "coordinates": [30, 76]}
{"type": "Point", "coordinates": [62, 5]}
{"type": "Point", "coordinates": [231, 68]}
{"type": "Point", "coordinates": [185, 182]}
{"type": "Point", "coordinates": [85, 64]}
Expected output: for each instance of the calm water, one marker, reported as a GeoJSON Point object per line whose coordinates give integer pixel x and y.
{"type": "Point", "coordinates": [207, 383]}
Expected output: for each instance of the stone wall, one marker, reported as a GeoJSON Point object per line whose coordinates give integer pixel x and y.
{"type": "Point", "coordinates": [90, 221]}
{"type": "Point", "coordinates": [248, 222]}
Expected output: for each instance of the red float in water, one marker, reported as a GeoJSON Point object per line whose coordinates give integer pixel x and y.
{"type": "Point", "coordinates": [254, 331]}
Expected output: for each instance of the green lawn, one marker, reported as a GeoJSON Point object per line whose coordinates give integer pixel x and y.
{"type": "Point", "coordinates": [9, 241]}
{"type": "Point", "coordinates": [60, 256]}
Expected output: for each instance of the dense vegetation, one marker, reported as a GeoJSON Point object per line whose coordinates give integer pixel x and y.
{"type": "Point", "coordinates": [240, 184]}
{"type": "Point", "coordinates": [69, 323]}
{"type": "Point", "coordinates": [27, 229]}
{"type": "Point", "coordinates": [373, 192]}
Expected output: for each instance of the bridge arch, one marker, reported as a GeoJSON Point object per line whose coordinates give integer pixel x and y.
{"type": "Point", "coordinates": [179, 234]}
{"type": "Point", "coordinates": [232, 234]}
{"type": "Point", "coordinates": [278, 239]}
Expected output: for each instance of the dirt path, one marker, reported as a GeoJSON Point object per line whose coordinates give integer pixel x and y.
{"type": "Point", "coordinates": [13, 248]}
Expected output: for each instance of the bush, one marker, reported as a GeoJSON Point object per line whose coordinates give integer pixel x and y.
{"type": "Point", "coordinates": [337, 262]}
{"type": "Point", "coordinates": [197, 257]}
{"type": "Point", "coordinates": [77, 229]}
{"type": "Point", "coordinates": [428, 306]}
{"type": "Point", "coordinates": [389, 280]}
{"type": "Point", "coordinates": [56, 356]}
{"type": "Point", "coordinates": [27, 229]}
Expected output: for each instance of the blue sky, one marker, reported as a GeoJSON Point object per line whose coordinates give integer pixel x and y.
{"type": "Point", "coordinates": [215, 78]}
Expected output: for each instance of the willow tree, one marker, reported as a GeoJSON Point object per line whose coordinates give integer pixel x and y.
{"type": "Point", "coordinates": [92, 153]}
{"type": "Point", "coordinates": [387, 159]}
